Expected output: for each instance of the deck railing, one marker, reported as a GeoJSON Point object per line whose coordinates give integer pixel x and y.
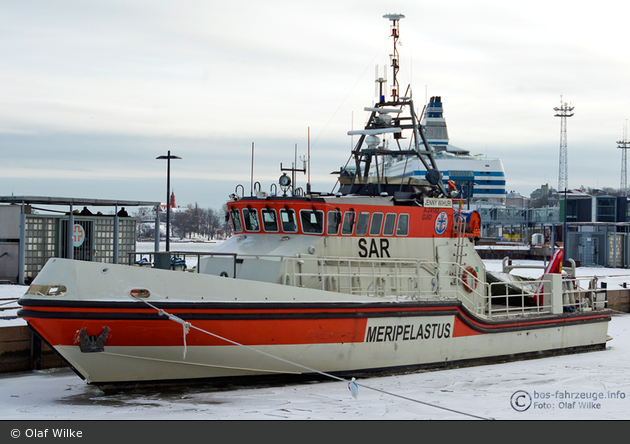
{"type": "Point", "coordinates": [374, 277]}
{"type": "Point", "coordinates": [410, 279]}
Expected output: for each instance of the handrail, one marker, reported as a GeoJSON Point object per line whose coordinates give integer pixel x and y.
{"type": "Point", "coordinates": [417, 279]}
{"type": "Point", "coordinates": [508, 267]}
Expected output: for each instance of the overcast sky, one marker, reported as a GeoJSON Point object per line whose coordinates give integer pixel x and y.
{"type": "Point", "coordinates": [91, 92]}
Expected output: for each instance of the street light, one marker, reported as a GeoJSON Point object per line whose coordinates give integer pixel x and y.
{"type": "Point", "coordinates": [168, 158]}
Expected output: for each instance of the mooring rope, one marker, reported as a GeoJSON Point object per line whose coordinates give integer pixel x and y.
{"type": "Point", "coordinates": [187, 326]}
{"type": "Point", "coordinates": [619, 312]}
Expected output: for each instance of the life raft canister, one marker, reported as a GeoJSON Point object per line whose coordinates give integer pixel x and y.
{"type": "Point", "coordinates": [469, 273]}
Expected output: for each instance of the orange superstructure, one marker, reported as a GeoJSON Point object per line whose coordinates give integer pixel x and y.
{"type": "Point", "coordinates": [322, 217]}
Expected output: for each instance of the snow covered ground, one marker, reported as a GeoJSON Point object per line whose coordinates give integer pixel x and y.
{"type": "Point", "coordinates": [586, 386]}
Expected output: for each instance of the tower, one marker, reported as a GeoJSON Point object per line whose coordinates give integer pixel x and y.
{"type": "Point", "coordinates": [563, 112]}
{"type": "Point", "coordinates": [624, 145]}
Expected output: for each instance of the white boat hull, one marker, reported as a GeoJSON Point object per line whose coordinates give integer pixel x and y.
{"type": "Point", "coordinates": [243, 328]}
{"type": "Point", "coordinates": [167, 363]}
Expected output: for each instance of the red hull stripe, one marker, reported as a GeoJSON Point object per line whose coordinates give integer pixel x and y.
{"type": "Point", "coordinates": [112, 308]}
{"type": "Point", "coordinates": [192, 311]}
{"type": "Point", "coordinates": [461, 329]}
{"type": "Point", "coordinates": [167, 333]}
{"type": "Point", "coordinates": [490, 327]}
{"type": "Point", "coordinates": [144, 327]}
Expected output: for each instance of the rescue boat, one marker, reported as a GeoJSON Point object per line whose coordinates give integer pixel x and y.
{"type": "Point", "coordinates": [381, 275]}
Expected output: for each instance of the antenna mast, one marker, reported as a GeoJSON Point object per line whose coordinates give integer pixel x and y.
{"type": "Point", "coordinates": [563, 112]}
{"type": "Point", "coordinates": [394, 18]}
{"type": "Point", "coordinates": [624, 145]}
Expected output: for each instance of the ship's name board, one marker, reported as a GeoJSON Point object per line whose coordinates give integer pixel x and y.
{"type": "Point", "coordinates": [438, 203]}
{"type": "Point", "coordinates": [408, 332]}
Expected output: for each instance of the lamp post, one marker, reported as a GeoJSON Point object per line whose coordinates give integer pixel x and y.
{"type": "Point", "coordinates": [168, 158]}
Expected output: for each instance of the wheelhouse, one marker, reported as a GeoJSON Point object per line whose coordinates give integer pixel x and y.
{"type": "Point", "coordinates": [324, 217]}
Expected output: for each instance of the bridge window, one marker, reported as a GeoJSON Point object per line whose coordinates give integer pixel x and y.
{"type": "Point", "coordinates": [390, 224]}
{"type": "Point", "coordinates": [270, 220]}
{"type": "Point", "coordinates": [362, 224]}
{"type": "Point", "coordinates": [348, 222]}
{"type": "Point", "coordinates": [375, 226]}
{"type": "Point", "coordinates": [403, 225]}
{"type": "Point", "coordinates": [334, 222]}
{"type": "Point", "coordinates": [250, 217]}
{"type": "Point", "coordinates": [236, 220]}
{"type": "Point", "coordinates": [312, 221]}
{"type": "Point", "coordinates": [287, 219]}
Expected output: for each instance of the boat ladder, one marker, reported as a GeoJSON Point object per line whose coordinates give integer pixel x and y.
{"type": "Point", "coordinates": [460, 227]}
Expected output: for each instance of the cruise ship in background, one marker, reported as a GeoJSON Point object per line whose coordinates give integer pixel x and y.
{"type": "Point", "coordinates": [478, 177]}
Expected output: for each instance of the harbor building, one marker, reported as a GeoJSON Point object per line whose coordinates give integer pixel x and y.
{"type": "Point", "coordinates": [34, 229]}
{"type": "Point", "coordinates": [594, 230]}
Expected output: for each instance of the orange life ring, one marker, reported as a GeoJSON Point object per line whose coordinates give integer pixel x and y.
{"type": "Point", "coordinates": [470, 271]}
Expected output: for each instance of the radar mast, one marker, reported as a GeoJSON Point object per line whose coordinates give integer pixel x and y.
{"type": "Point", "coordinates": [391, 117]}
{"type": "Point", "coordinates": [394, 58]}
